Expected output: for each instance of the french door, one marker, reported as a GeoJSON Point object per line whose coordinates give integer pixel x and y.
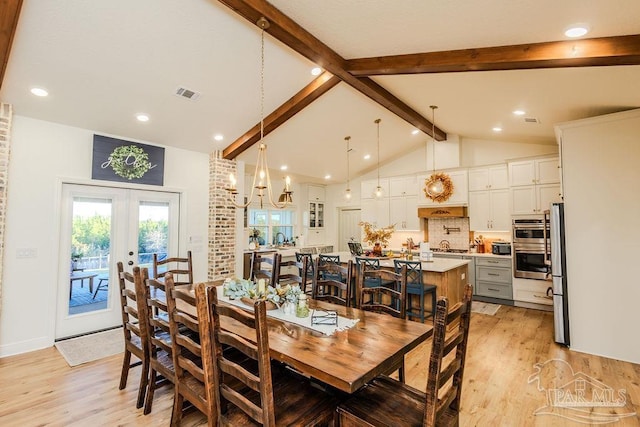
{"type": "Point", "coordinates": [100, 227]}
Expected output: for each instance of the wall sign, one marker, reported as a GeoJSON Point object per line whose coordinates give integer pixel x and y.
{"type": "Point", "coordinates": [126, 161]}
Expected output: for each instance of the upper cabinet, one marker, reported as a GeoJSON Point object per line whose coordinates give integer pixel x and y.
{"type": "Point", "coordinates": [400, 186]}
{"type": "Point", "coordinates": [460, 196]}
{"type": "Point", "coordinates": [403, 203]}
{"type": "Point", "coordinates": [368, 188]}
{"type": "Point", "coordinates": [316, 193]}
{"type": "Point", "coordinates": [488, 178]}
{"type": "Point", "coordinates": [534, 171]}
{"type": "Point", "coordinates": [313, 197]}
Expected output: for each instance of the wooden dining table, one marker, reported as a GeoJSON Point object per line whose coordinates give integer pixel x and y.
{"type": "Point", "coordinates": [347, 359]}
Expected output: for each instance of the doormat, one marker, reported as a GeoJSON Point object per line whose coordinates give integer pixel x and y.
{"type": "Point", "coordinates": [88, 348]}
{"type": "Point", "coordinates": [484, 308]}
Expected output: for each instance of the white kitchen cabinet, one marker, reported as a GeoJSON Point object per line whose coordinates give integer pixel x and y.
{"type": "Point", "coordinates": [375, 211]}
{"type": "Point", "coordinates": [315, 236]}
{"type": "Point", "coordinates": [403, 212]}
{"type": "Point", "coordinates": [489, 210]}
{"type": "Point", "coordinates": [534, 171]}
{"type": "Point", "coordinates": [315, 193]}
{"type": "Point", "coordinates": [368, 188]}
{"type": "Point", "coordinates": [403, 186]}
{"type": "Point", "coordinates": [532, 291]}
{"type": "Point", "coordinates": [460, 196]}
{"type": "Point", "coordinates": [488, 178]}
{"type": "Point", "coordinates": [534, 199]}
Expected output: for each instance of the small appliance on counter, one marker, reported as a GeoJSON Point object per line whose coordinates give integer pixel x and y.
{"type": "Point", "coordinates": [426, 254]}
{"type": "Point", "coordinates": [501, 248]}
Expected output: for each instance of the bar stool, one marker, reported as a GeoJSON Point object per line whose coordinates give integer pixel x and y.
{"type": "Point", "coordinates": [415, 286]}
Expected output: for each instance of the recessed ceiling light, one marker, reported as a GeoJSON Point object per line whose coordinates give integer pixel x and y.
{"type": "Point", "coordinates": [327, 177]}
{"type": "Point", "coordinates": [38, 91]}
{"type": "Point", "coordinates": [284, 167]}
{"type": "Point", "coordinates": [415, 132]}
{"type": "Point", "coordinates": [577, 30]}
{"type": "Point", "coordinates": [142, 117]}
{"type": "Point", "coordinates": [497, 129]}
{"type": "Point", "coordinates": [218, 137]}
{"type": "Point", "coordinates": [316, 71]}
{"type": "Point", "coordinates": [367, 156]}
{"type": "Point", "coordinates": [519, 112]}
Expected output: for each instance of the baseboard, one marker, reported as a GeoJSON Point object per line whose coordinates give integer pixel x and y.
{"type": "Point", "coordinates": [25, 346]}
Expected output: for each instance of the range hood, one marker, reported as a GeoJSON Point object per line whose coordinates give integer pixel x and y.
{"type": "Point", "coordinates": [443, 212]}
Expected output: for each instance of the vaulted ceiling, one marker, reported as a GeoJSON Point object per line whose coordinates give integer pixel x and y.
{"type": "Point", "coordinates": [104, 61]}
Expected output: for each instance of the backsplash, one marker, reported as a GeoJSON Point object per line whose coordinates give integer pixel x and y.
{"type": "Point", "coordinates": [438, 232]}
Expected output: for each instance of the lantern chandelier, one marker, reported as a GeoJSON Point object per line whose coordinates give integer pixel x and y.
{"type": "Point", "coordinates": [261, 178]}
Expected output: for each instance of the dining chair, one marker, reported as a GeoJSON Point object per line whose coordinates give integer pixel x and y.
{"type": "Point", "coordinates": [180, 267]}
{"type": "Point", "coordinates": [415, 286]}
{"type": "Point", "coordinates": [369, 263]}
{"type": "Point", "coordinates": [161, 372]}
{"type": "Point", "coordinates": [134, 329]}
{"type": "Point", "coordinates": [269, 395]}
{"type": "Point", "coordinates": [389, 299]}
{"type": "Point", "coordinates": [271, 271]}
{"type": "Point", "coordinates": [327, 287]}
{"type": "Point", "coordinates": [309, 273]}
{"type": "Point", "coordinates": [191, 352]}
{"type": "Point", "coordinates": [297, 274]}
{"type": "Point", "coordinates": [387, 402]}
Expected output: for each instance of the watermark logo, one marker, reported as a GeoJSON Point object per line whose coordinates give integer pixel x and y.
{"type": "Point", "coordinates": [576, 396]}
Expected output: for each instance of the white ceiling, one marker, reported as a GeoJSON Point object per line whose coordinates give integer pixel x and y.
{"type": "Point", "coordinates": [104, 61]}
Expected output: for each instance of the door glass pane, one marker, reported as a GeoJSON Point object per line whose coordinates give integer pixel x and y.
{"type": "Point", "coordinates": [153, 232]}
{"type": "Point", "coordinates": [89, 257]}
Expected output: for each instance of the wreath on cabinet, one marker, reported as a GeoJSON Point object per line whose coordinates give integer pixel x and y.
{"type": "Point", "coordinates": [129, 161]}
{"type": "Point", "coordinates": [438, 187]}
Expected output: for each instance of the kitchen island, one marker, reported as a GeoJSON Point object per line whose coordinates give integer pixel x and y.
{"type": "Point", "coordinates": [449, 275]}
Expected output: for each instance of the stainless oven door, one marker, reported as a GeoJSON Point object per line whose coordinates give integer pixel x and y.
{"type": "Point", "coordinates": [529, 262]}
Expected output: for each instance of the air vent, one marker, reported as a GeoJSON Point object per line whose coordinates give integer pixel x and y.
{"type": "Point", "coordinates": [183, 92]}
{"type": "Point", "coordinates": [531, 120]}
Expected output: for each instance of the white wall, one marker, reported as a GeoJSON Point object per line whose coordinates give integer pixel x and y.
{"type": "Point", "coordinates": [43, 154]}
{"type": "Point", "coordinates": [600, 159]}
{"type": "Point", "coordinates": [479, 152]}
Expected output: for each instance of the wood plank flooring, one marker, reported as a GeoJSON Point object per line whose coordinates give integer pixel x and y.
{"type": "Point", "coordinates": [40, 389]}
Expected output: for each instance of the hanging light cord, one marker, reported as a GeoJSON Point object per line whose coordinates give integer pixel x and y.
{"type": "Point", "coordinates": [378, 123]}
{"type": "Point", "coordinates": [348, 150]}
{"type": "Point", "coordinates": [433, 134]}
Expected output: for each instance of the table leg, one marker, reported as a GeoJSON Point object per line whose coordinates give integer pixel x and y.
{"type": "Point", "coordinates": [90, 285]}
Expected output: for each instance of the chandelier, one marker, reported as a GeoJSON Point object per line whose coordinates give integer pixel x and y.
{"type": "Point", "coordinates": [261, 178]}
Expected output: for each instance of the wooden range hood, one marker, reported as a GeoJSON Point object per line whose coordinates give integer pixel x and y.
{"type": "Point", "coordinates": [443, 212]}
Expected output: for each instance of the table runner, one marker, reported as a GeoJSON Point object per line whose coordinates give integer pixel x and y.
{"type": "Point", "coordinates": [343, 322]}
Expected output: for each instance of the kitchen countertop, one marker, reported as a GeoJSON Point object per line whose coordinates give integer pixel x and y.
{"type": "Point", "coordinates": [439, 265]}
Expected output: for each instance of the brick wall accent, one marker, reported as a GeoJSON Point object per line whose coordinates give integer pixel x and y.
{"type": "Point", "coordinates": [6, 115]}
{"type": "Point", "coordinates": [222, 219]}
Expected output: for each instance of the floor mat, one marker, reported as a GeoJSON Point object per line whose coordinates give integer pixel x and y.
{"type": "Point", "coordinates": [484, 308]}
{"type": "Point", "coordinates": [88, 348]}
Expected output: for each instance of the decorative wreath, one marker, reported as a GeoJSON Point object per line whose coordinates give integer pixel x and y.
{"type": "Point", "coordinates": [447, 186]}
{"type": "Point", "coordinates": [129, 161]}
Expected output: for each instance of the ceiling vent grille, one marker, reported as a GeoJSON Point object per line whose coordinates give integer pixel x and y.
{"type": "Point", "coordinates": [183, 92]}
{"type": "Point", "coordinates": [531, 120]}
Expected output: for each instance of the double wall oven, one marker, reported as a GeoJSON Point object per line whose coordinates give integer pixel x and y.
{"type": "Point", "coordinates": [531, 248]}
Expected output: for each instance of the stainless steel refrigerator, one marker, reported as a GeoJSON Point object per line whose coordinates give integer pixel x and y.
{"type": "Point", "coordinates": [559, 273]}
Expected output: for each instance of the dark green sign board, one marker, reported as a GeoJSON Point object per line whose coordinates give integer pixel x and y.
{"type": "Point", "coordinates": [125, 161]}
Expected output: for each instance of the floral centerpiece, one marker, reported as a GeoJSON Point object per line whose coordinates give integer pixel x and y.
{"type": "Point", "coordinates": [377, 237]}
{"type": "Point", "coordinates": [247, 291]}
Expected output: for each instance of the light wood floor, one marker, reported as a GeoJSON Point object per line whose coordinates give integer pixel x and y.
{"type": "Point", "coordinates": [40, 389]}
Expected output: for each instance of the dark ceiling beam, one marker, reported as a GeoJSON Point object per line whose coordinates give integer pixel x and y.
{"type": "Point", "coordinates": [619, 50]}
{"type": "Point", "coordinates": [300, 40]}
{"type": "Point", "coordinates": [323, 83]}
{"type": "Point", "coordinates": [9, 14]}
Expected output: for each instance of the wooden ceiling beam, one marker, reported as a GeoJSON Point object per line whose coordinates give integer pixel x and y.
{"type": "Point", "coordinates": [9, 14]}
{"type": "Point", "coordinates": [604, 51]}
{"type": "Point", "coordinates": [300, 40]}
{"type": "Point", "coordinates": [323, 83]}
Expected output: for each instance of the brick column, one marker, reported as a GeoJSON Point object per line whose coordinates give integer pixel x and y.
{"type": "Point", "coordinates": [222, 219]}
{"type": "Point", "coordinates": [6, 115]}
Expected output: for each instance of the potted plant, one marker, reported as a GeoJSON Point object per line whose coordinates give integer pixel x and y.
{"type": "Point", "coordinates": [377, 237]}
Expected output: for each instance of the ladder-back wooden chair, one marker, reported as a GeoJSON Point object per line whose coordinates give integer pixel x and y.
{"type": "Point", "coordinates": [270, 272]}
{"type": "Point", "coordinates": [134, 329]}
{"type": "Point", "coordinates": [387, 402]}
{"type": "Point", "coordinates": [270, 395]}
{"type": "Point", "coordinates": [180, 267]}
{"type": "Point", "coordinates": [327, 287]}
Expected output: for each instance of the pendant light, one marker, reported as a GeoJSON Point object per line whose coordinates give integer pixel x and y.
{"type": "Point", "coordinates": [378, 193]}
{"type": "Point", "coordinates": [261, 178]}
{"type": "Point", "coordinates": [347, 192]}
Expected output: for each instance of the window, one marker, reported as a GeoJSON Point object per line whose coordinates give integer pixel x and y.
{"type": "Point", "coordinates": [273, 226]}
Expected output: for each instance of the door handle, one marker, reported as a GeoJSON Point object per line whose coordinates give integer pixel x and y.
{"type": "Point", "coordinates": [130, 263]}
{"type": "Point", "coordinates": [130, 252]}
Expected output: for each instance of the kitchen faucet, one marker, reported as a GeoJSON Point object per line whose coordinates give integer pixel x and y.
{"type": "Point", "coordinates": [284, 238]}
